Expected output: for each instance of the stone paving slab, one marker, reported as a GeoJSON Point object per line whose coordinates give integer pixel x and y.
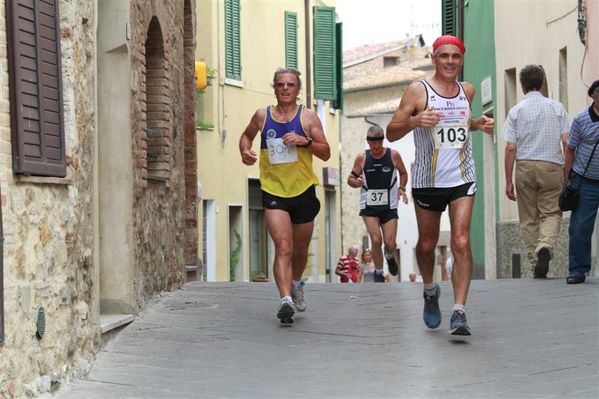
{"type": "Point", "coordinates": [531, 339]}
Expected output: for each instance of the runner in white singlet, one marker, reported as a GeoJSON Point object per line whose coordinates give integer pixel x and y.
{"type": "Point", "coordinates": [443, 174]}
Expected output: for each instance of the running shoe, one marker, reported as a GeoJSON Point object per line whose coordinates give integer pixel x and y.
{"type": "Point", "coordinates": [432, 313]}
{"type": "Point", "coordinates": [379, 277]}
{"type": "Point", "coordinates": [392, 264]}
{"type": "Point", "coordinates": [458, 324]}
{"type": "Point", "coordinates": [297, 294]}
{"type": "Point", "coordinates": [286, 311]}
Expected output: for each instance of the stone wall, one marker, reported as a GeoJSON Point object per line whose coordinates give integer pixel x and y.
{"type": "Point", "coordinates": [509, 242]}
{"type": "Point", "coordinates": [48, 228]}
{"type": "Point", "coordinates": [51, 224]}
{"type": "Point", "coordinates": [159, 205]}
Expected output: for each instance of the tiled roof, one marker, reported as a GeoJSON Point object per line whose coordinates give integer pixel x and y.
{"type": "Point", "coordinates": [386, 77]}
{"type": "Point", "coordinates": [381, 107]}
{"type": "Point", "coordinates": [369, 51]}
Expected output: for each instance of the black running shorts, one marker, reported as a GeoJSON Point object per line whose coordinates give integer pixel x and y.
{"type": "Point", "coordinates": [437, 199]}
{"type": "Point", "coordinates": [301, 209]}
{"type": "Point", "coordinates": [384, 215]}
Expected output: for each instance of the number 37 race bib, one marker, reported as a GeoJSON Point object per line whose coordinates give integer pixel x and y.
{"type": "Point", "coordinates": [377, 197]}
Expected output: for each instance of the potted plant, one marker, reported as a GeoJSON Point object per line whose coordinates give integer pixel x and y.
{"type": "Point", "coordinates": [260, 277]}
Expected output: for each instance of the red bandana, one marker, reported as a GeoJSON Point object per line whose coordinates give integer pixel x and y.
{"type": "Point", "coordinates": [448, 39]}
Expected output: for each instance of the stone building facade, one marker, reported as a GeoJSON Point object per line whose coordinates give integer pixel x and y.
{"type": "Point", "coordinates": [111, 233]}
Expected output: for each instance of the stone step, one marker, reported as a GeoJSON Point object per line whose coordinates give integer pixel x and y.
{"type": "Point", "coordinates": [112, 323]}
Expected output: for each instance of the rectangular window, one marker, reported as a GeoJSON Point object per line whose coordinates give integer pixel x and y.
{"type": "Point", "coordinates": [290, 39]}
{"type": "Point", "coordinates": [37, 121]}
{"type": "Point", "coordinates": [390, 61]}
{"type": "Point", "coordinates": [325, 59]}
{"type": "Point", "coordinates": [232, 40]}
{"type": "Point", "coordinates": [563, 77]}
{"type": "Point", "coordinates": [449, 18]}
{"type": "Point", "coordinates": [510, 86]}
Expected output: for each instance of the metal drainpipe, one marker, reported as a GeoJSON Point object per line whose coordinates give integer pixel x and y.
{"type": "Point", "coordinates": [461, 31]}
{"type": "Point", "coordinates": [308, 55]}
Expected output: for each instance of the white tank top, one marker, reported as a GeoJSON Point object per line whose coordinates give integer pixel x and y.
{"type": "Point", "coordinates": [444, 152]}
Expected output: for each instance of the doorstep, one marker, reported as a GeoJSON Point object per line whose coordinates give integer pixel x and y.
{"type": "Point", "coordinates": [111, 321]}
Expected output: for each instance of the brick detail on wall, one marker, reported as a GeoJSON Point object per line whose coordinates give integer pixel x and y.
{"type": "Point", "coordinates": [158, 124]}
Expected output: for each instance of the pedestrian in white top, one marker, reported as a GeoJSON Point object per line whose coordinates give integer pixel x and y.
{"type": "Point", "coordinates": [536, 131]}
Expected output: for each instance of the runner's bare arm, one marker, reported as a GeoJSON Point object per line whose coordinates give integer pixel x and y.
{"type": "Point", "coordinates": [355, 176]}
{"type": "Point", "coordinates": [403, 174]}
{"type": "Point", "coordinates": [411, 113]}
{"type": "Point", "coordinates": [313, 128]}
{"type": "Point", "coordinates": [483, 122]}
{"type": "Point", "coordinates": [249, 157]}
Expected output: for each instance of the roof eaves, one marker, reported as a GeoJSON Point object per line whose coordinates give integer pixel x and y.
{"type": "Point", "coordinates": [373, 56]}
{"type": "Point", "coordinates": [378, 86]}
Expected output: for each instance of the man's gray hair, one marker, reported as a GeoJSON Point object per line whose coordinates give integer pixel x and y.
{"type": "Point", "coordinates": [375, 131]}
{"type": "Point", "coordinates": [293, 71]}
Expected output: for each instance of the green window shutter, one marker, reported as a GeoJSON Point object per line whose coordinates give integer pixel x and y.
{"type": "Point", "coordinates": [449, 17]}
{"type": "Point", "coordinates": [290, 40]}
{"type": "Point", "coordinates": [339, 101]}
{"type": "Point", "coordinates": [325, 79]}
{"type": "Point", "coordinates": [232, 40]}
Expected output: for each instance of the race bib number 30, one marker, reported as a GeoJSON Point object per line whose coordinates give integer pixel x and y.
{"type": "Point", "coordinates": [377, 197]}
{"type": "Point", "coordinates": [278, 152]}
{"type": "Point", "coordinates": [450, 136]}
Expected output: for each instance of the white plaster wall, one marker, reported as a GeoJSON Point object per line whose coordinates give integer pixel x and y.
{"type": "Point", "coordinates": [533, 32]}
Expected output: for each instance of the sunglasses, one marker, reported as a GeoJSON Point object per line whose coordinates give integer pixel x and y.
{"type": "Point", "coordinates": [375, 138]}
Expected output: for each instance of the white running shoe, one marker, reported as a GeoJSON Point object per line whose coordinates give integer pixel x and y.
{"type": "Point", "coordinates": [297, 294]}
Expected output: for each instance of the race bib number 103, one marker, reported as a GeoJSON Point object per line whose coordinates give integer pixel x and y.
{"type": "Point", "coordinates": [450, 136]}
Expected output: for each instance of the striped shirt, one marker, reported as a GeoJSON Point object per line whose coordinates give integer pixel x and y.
{"type": "Point", "coordinates": [350, 266]}
{"type": "Point", "coordinates": [584, 133]}
{"type": "Point", "coordinates": [536, 125]}
{"type": "Point", "coordinates": [444, 153]}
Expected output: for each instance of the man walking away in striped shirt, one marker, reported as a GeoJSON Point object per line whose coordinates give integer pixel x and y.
{"type": "Point", "coordinates": [582, 169]}
{"type": "Point", "coordinates": [535, 130]}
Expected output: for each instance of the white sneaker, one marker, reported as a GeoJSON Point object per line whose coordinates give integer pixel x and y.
{"type": "Point", "coordinates": [297, 294]}
{"type": "Point", "coordinates": [285, 312]}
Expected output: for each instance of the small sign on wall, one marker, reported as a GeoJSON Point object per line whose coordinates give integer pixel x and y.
{"type": "Point", "coordinates": [330, 176]}
{"type": "Point", "coordinates": [486, 91]}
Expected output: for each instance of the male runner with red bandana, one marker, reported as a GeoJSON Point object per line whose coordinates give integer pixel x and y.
{"type": "Point", "coordinates": [443, 174]}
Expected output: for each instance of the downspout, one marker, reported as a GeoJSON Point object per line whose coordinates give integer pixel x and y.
{"type": "Point", "coordinates": [308, 55]}
{"type": "Point", "coordinates": [461, 5]}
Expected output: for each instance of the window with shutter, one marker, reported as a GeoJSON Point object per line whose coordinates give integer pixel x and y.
{"type": "Point", "coordinates": [232, 40]}
{"type": "Point", "coordinates": [338, 104]}
{"type": "Point", "coordinates": [37, 122]}
{"type": "Point", "coordinates": [325, 67]}
{"type": "Point", "coordinates": [448, 18]}
{"type": "Point", "coordinates": [290, 39]}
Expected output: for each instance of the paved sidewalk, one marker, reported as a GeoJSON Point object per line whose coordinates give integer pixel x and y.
{"type": "Point", "coordinates": [531, 339]}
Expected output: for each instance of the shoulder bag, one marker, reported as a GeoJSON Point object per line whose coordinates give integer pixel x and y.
{"type": "Point", "coordinates": [570, 196]}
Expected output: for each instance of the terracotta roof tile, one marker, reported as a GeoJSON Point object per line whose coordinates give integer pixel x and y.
{"type": "Point", "coordinates": [377, 77]}
{"type": "Point", "coordinates": [368, 51]}
{"type": "Point", "coordinates": [381, 107]}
